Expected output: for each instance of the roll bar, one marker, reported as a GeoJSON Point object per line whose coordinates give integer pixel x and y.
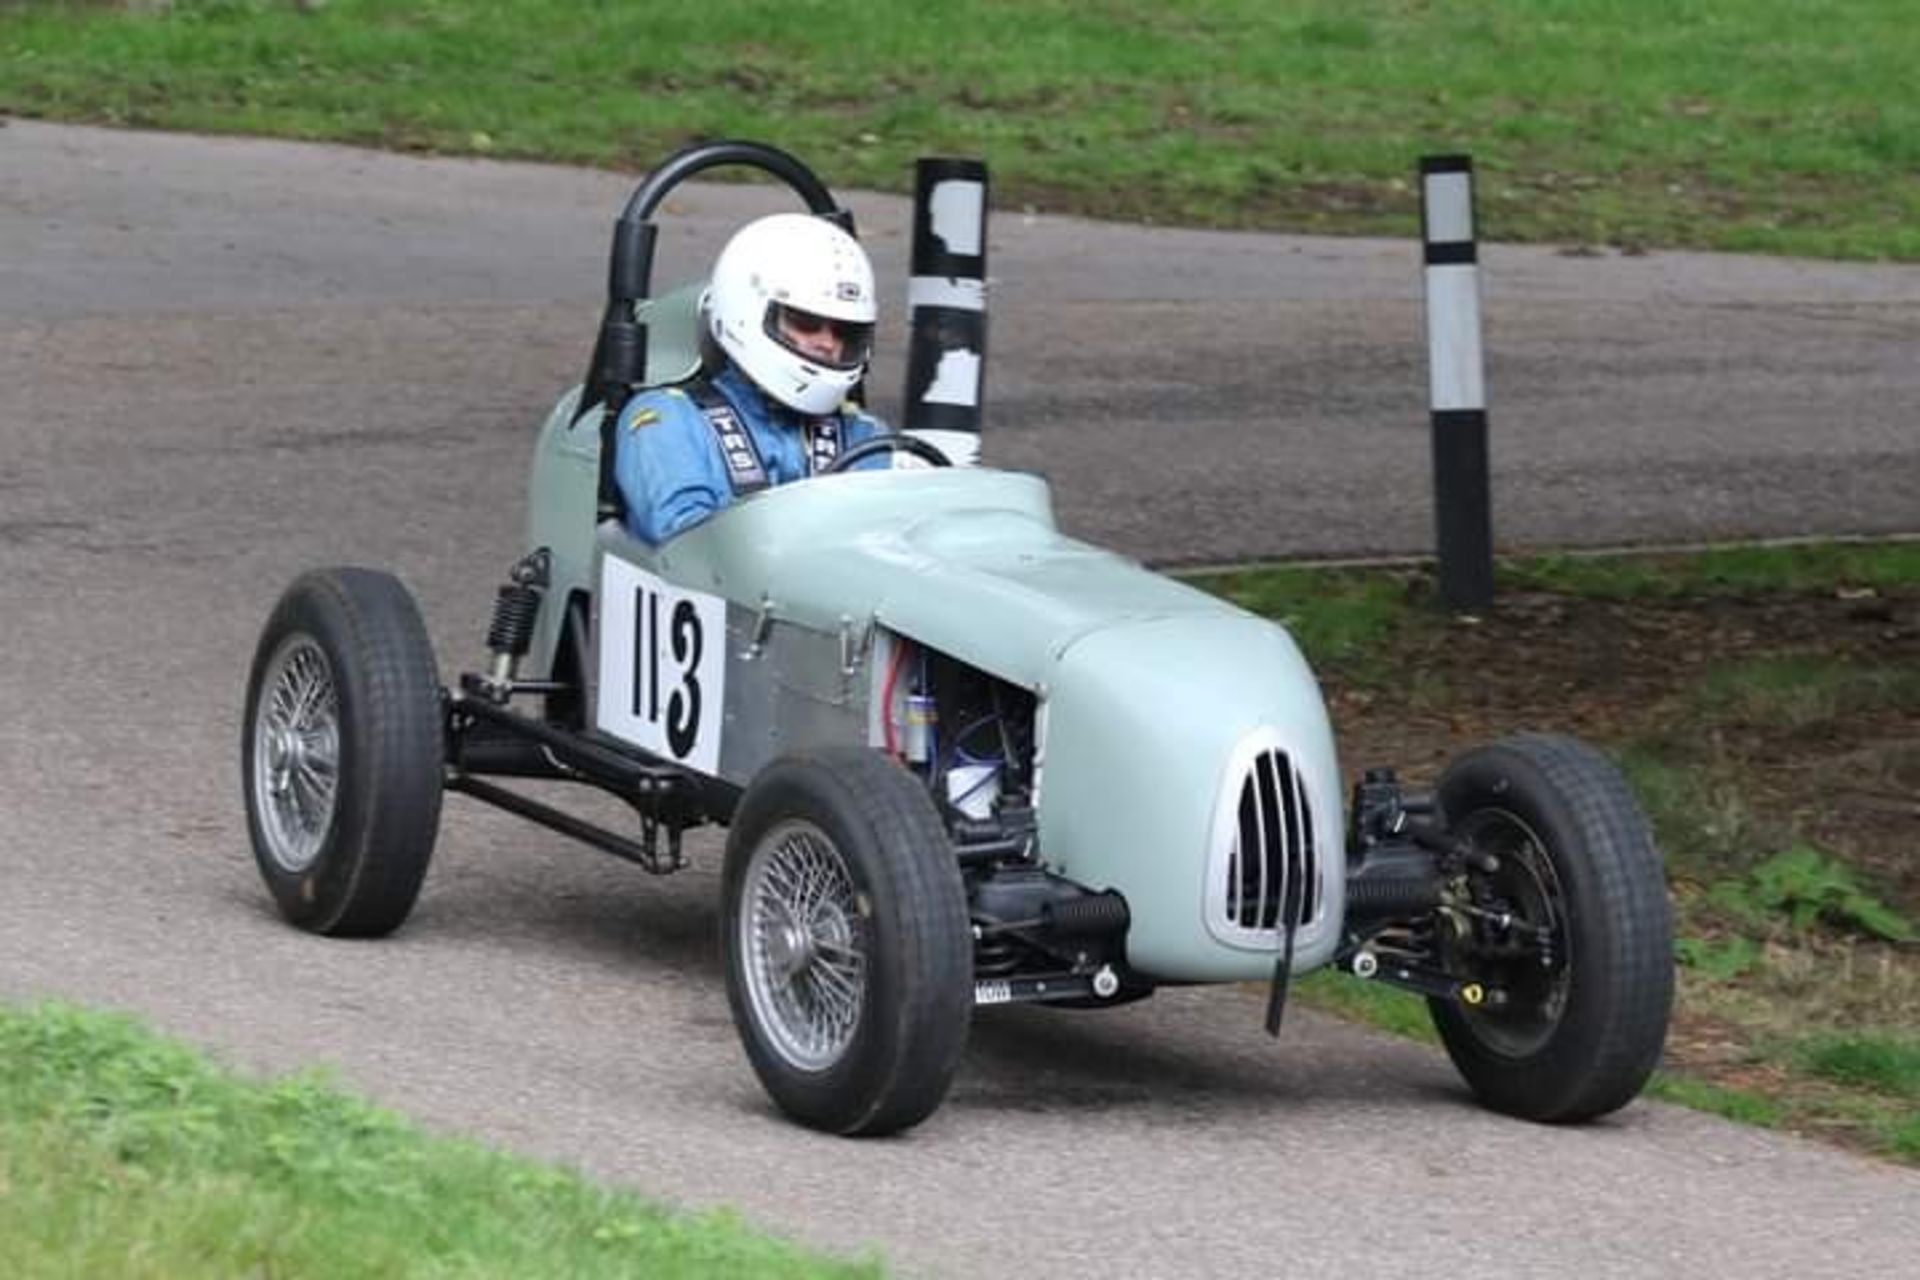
{"type": "Point", "coordinates": [619, 364]}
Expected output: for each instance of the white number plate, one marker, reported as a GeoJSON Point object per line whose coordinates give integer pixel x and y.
{"type": "Point", "coordinates": [992, 991]}
{"type": "Point", "coordinates": [662, 665]}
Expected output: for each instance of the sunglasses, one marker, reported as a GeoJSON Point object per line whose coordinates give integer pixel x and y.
{"type": "Point", "coordinates": [806, 324]}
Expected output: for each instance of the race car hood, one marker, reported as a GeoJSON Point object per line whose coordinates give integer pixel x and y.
{"type": "Point", "coordinates": [966, 560]}
{"type": "Point", "coordinates": [1157, 699]}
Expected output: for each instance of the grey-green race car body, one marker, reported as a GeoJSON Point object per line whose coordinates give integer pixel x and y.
{"type": "Point", "coordinates": [964, 760]}
{"type": "Point", "coordinates": [1155, 707]}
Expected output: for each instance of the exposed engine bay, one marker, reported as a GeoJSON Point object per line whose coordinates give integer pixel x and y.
{"type": "Point", "coordinates": [978, 743]}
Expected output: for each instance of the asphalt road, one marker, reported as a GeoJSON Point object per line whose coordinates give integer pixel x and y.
{"type": "Point", "coordinates": [225, 361]}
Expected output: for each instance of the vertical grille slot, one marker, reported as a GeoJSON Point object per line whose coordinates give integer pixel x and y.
{"type": "Point", "coordinates": [1273, 848]}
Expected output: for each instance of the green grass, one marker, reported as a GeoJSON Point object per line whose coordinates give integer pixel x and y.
{"type": "Point", "coordinates": [1336, 615]}
{"type": "Point", "coordinates": [1352, 610]}
{"type": "Point", "coordinates": [128, 1155]}
{"type": "Point", "coordinates": [1721, 571]}
{"type": "Point", "coordinates": [1886, 1063]}
{"type": "Point", "coordinates": [1374, 1003]}
{"type": "Point", "coordinates": [1700, 816]}
{"type": "Point", "coordinates": [1801, 691]}
{"type": "Point", "coordinates": [1893, 1130]}
{"type": "Point", "coordinates": [1632, 122]}
{"type": "Point", "coordinates": [1743, 1105]}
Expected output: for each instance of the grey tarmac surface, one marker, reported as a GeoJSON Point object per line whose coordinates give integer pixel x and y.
{"type": "Point", "coordinates": [224, 361]}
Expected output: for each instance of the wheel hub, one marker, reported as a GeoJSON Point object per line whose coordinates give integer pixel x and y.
{"type": "Point", "coordinates": [280, 749]}
{"type": "Point", "coordinates": [805, 965]}
{"type": "Point", "coordinates": [296, 753]}
{"type": "Point", "coordinates": [789, 949]}
{"type": "Point", "coordinates": [1511, 939]}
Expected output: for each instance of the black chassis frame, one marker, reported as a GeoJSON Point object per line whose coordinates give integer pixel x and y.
{"type": "Point", "coordinates": [1401, 859]}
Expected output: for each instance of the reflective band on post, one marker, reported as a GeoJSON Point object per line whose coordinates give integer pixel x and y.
{"type": "Point", "coordinates": [1456, 382]}
{"type": "Point", "coordinates": [1456, 373]}
{"type": "Point", "coordinates": [1449, 200]}
{"type": "Point", "coordinates": [939, 291]}
{"type": "Point", "coordinates": [946, 299]}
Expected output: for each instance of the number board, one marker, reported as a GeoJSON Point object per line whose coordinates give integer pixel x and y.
{"type": "Point", "coordinates": [663, 665]}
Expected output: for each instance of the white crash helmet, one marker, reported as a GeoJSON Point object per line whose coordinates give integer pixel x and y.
{"type": "Point", "coordinates": [806, 264]}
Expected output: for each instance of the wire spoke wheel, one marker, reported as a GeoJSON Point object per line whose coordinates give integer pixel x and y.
{"type": "Point", "coordinates": [296, 761]}
{"type": "Point", "coordinates": [848, 951]}
{"type": "Point", "coordinates": [805, 947]}
{"type": "Point", "coordinates": [341, 752]}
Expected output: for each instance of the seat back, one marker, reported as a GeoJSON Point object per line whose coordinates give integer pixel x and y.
{"type": "Point", "coordinates": [672, 323]}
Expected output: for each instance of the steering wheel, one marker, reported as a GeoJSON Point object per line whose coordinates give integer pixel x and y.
{"type": "Point", "coordinates": [892, 443]}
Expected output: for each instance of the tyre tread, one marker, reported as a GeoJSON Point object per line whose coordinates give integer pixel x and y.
{"type": "Point", "coordinates": [387, 811]}
{"type": "Point", "coordinates": [907, 1064]}
{"type": "Point", "coordinates": [1602, 1060]}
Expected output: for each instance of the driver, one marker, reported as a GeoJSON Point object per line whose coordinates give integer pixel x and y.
{"type": "Point", "coordinates": [790, 312]}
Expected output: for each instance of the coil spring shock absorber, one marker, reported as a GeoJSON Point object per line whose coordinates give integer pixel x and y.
{"type": "Point", "coordinates": [1089, 916]}
{"type": "Point", "coordinates": [514, 612]}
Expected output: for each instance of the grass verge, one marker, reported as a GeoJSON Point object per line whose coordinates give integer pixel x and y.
{"type": "Point", "coordinates": [1765, 703]}
{"type": "Point", "coordinates": [1728, 126]}
{"type": "Point", "coordinates": [126, 1154]}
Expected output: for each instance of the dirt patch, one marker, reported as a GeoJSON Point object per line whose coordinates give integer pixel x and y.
{"type": "Point", "coordinates": [1843, 772]}
{"type": "Point", "coordinates": [1803, 710]}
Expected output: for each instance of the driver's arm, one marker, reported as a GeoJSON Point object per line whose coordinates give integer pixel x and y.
{"type": "Point", "coordinates": [667, 467]}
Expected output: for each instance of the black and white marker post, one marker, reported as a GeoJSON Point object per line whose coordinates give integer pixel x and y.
{"type": "Point", "coordinates": [947, 306]}
{"type": "Point", "coordinates": [1462, 511]}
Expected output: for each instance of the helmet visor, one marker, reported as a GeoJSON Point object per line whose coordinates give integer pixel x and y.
{"type": "Point", "coordinates": [835, 344]}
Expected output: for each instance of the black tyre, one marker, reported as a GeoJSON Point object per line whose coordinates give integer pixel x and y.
{"type": "Point", "coordinates": [1587, 971]}
{"type": "Point", "coordinates": [341, 752]}
{"type": "Point", "coordinates": [849, 958]}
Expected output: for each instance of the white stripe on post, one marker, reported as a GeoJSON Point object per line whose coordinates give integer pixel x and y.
{"type": "Point", "coordinates": [939, 291]}
{"type": "Point", "coordinates": [1456, 375]}
{"type": "Point", "coordinates": [1449, 197]}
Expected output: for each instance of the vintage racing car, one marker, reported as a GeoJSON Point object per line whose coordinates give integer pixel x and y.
{"type": "Point", "coordinates": [963, 758]}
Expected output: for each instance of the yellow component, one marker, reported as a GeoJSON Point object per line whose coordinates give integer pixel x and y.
{"type": "Point", "coordinates": [1473, 993]}
{"type": "Point", "coordinates": [642, 417]}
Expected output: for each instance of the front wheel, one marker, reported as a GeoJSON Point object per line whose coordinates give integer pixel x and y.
{"type": "Point", "coordinates": [844, 925]}
{"type": "Point", "coordinates": [341, 752]}
{"type": "Point", "coordinates": [1569, 935]}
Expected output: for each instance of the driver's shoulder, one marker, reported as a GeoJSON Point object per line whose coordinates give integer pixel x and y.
{"type": "Point", "coordinates": [657, 404]}
{"type": "Point", "coordinates": [659, 413]}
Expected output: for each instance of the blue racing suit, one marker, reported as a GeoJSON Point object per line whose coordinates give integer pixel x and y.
{"type": "Point", "coordinates": [669, 464]}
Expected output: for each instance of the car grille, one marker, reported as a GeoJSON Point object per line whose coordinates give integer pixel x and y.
{"type": "Point", "coordinates": [1272, 847]}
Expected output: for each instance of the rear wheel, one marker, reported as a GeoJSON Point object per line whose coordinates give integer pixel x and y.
{"type": "Point", "coordinates": [1570, 940]}
{"type": "Point", "coordinates": [341, 752]}
{"type": "Point", "coordinates": [849, 961]}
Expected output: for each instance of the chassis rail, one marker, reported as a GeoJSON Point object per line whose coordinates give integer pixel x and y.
{"type": "Point", "coordinates": [485, 739]}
